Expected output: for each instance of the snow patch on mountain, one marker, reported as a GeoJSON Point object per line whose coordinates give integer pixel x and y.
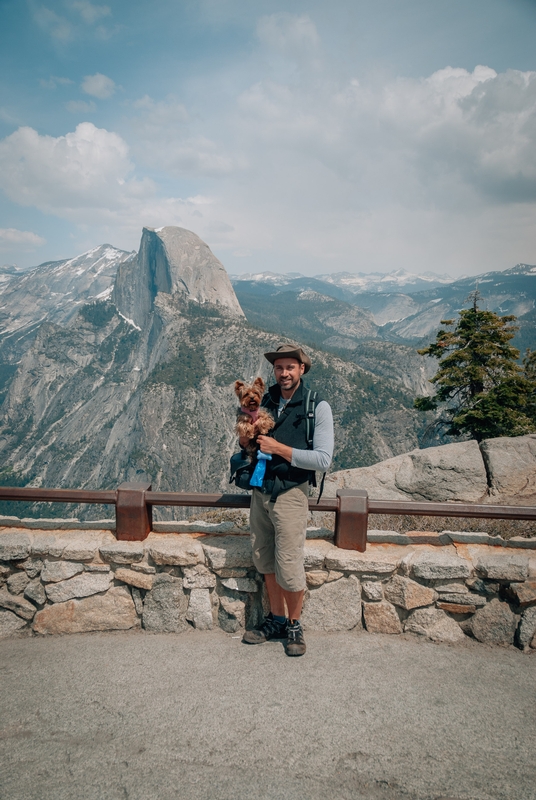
{"type": "Point", "coordinates": [356, 282]}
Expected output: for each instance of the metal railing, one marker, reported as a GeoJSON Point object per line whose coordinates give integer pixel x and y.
{"type": "Point", "coordinates": [134, 503]}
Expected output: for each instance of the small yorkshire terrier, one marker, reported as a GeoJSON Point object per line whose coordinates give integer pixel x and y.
{"type": "Point", "coordinates": [251, 419]}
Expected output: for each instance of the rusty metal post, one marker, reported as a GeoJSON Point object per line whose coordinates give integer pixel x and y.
{"type": "Point", "coordinates": [351, 519]}
{"type": "Point", "coordinates": [133, 516]}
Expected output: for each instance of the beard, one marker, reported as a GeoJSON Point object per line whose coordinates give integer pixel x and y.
{"type": "Point", "coordinates": [288, 385]}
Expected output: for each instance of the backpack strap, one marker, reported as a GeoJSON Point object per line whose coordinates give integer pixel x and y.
{"type": "Point", "coordinates": [310, 408]}
{"type": "Point", "coordinates": [321, 487]}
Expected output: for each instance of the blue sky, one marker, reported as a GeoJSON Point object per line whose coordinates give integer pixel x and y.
{"type": "Point", "coordinates": [307, 136]}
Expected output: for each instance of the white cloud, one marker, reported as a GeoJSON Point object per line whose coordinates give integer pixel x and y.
{"type": "Point", "coordinates": [84, 169]}
{"type": "Point", "coordinates": [86, 177]}
{"type": "Point", "coordinates": [54, 81]}
{"type": "Point", "coordinates": [451, 137]}
{"type": "Point", "coordinates": [98, 85]}
{"type": "Point", "coordinates": [9, 117]}
{"type": "Point", "coordinates": [80, 107]}
{"type": "Point", "coordinates": [292, 44]}
{"type": "Point", "coordinates": [288, 33]}
{"type": "Point", "coordinates": [10, 237]}
{"type": "Point", "coordinates": [156, 117]}
{"type": "Point", "coordinates": [187, 155]}
{"type": "Point", "coordinates": [421, 173]}
{"type": "Point", "coordinates": [165, 139]}
{"type": "Point", "coordinates": [309, 174]}
{"type": "Point", "coordinates": [89, 12]}
{"type": "Point", "coordinates": [54, 24]}
{"type": "Point", "coordinates": [65, 30]}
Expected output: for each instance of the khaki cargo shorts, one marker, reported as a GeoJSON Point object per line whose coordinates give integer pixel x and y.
{"type": "Point", "coordinates": [278, 535]}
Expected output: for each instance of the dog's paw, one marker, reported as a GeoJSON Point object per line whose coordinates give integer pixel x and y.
{"type": "Point", "coordinates": [265, 423]}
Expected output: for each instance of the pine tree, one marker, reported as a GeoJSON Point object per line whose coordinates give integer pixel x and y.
{"type": "Point", "coordinates": [483, 390]}
{"type": "Point", "coordinates": [529, 371]}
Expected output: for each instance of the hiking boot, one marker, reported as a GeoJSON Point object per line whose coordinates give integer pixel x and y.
{"type": "Point", "coordinates": [295, 642]}
{"type": "Point", "coordinates": [270, 629]}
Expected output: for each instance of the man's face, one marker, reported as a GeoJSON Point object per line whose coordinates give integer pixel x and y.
{"type": "Point", "coordinates": [288, 372]}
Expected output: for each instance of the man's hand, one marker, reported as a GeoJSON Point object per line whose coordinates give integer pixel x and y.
{"type": "Point", "coordinates": [269, 445]}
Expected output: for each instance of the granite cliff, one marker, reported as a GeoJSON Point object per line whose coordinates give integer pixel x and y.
{"type": "Point", "coordinates": [176, 262]}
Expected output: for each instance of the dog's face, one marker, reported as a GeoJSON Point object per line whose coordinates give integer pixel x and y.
{"type": "Point", "coordinates": [250, 395]}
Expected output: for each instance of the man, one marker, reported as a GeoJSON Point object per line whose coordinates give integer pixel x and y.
{"type": "Point", "coordinates": [279, 509]}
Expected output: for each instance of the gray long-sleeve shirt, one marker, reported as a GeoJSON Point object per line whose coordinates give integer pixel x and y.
{"type": "Point", "coordinates": [319, 458]}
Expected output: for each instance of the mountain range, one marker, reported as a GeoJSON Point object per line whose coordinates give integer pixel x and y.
{"type": "Point", "coordinates": [120, 366]}
{"type": "Point", "coordinates": [404, 317]}
{"type": "Point", "coordinates": [356, 282]}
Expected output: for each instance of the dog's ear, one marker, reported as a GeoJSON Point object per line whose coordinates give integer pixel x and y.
{"type": "Point", "coordinates": [260, 383]}
{"type": "Point", "coordinates": [239, 385]}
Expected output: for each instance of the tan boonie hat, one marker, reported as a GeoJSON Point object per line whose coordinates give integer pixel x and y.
{"type": "Point", "coordinates": [290, 351]}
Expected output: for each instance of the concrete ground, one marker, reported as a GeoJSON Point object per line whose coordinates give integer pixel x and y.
{"type": "Point", "coordinates": [200, 715]}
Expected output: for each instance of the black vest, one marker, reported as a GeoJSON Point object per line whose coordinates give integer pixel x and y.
{"type": "Point", "coordinates": [290, 429]}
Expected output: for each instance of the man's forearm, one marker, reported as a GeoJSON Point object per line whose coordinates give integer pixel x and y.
{"type": "Point", "coordinates": [272, 447]}
{"type": "Point", "coordinates": [269, 445]}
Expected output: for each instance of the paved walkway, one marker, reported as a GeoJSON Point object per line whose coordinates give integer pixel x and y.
{"type": "Point", "coordinates": [136, 716]}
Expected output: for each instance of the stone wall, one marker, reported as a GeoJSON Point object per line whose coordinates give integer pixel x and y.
{"type": "Point", "coordinates": [446, 587]}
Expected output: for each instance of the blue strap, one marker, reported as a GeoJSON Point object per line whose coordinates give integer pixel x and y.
{"type": "Point", "coordinates": [259, 472]}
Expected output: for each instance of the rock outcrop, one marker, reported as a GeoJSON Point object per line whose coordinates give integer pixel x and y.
{"type": "Point", "coordinates": [496, 471]}
{"type": "Point", "coordinates": [511, 467]}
